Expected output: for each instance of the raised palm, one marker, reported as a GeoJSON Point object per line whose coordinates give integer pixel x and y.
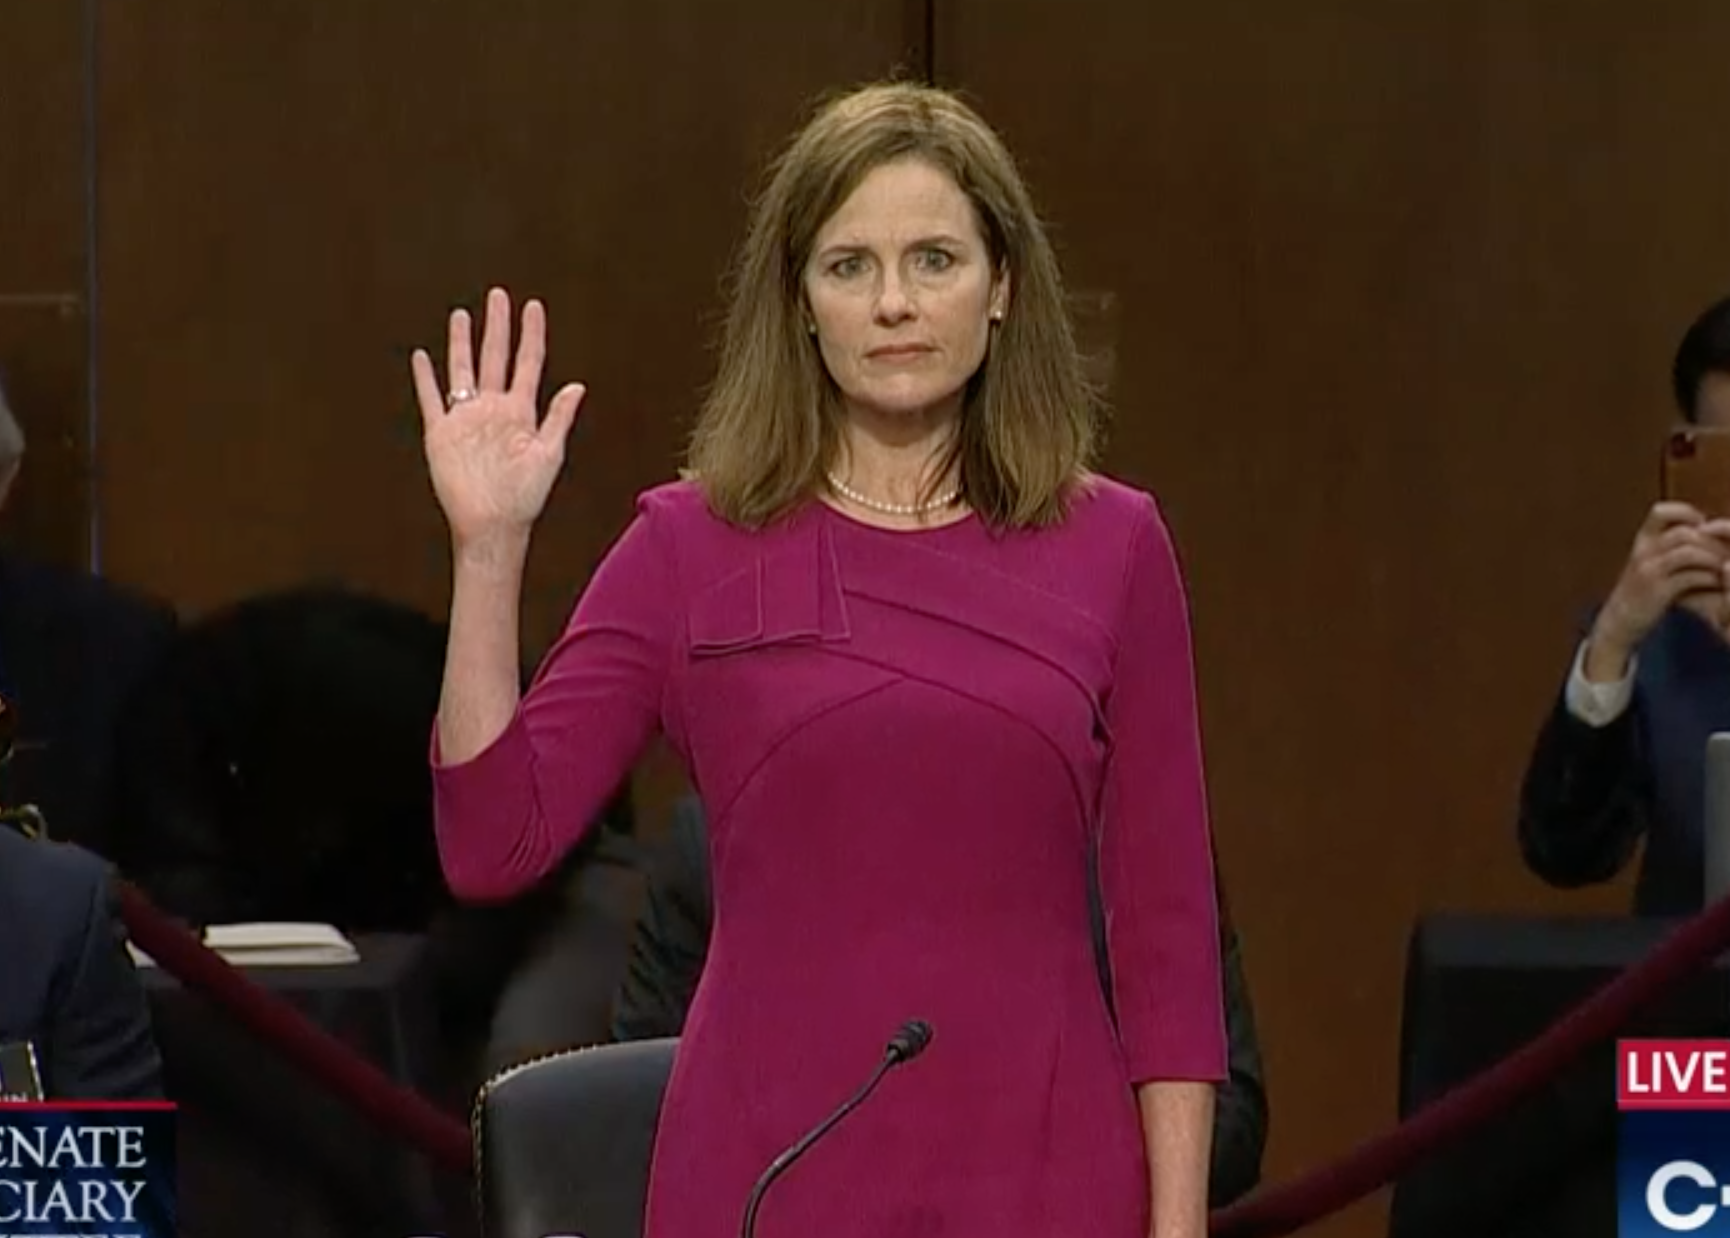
{"type": "Point", "coordinates": [492, 460]}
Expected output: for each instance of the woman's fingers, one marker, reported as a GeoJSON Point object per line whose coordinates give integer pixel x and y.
{"type": "Point", "coordinates": [459, 355]}
{"type": "Point", "coordinates": [496, 341]}
{"type": "Point", "coordinates": [561, 415]}
{"type": "Point", "coordinates": [531, 353]}
{"type": "Point", "coordinates": [426, 387]}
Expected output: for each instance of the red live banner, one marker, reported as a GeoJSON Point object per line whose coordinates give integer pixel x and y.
{"type": "Point", "coordinates": [1673, 1074]}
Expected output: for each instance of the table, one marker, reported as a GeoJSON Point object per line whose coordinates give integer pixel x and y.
{"type": "Point", "coordinates": [1479, 987]}
{"type": "Point", "coordinates": [265, 1151]}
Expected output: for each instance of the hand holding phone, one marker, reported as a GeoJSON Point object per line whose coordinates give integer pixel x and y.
{"type": "Point", "coordinates": [1680, 556]}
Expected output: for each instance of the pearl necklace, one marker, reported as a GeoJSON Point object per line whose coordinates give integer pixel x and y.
{"type": "Point", "coordinates": [893, 509]}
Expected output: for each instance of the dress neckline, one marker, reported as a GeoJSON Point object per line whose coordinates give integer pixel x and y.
{"type": "Point", "coordinates": [968, 520]}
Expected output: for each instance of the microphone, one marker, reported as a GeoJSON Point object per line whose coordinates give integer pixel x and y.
{"type": "Point", "coordinates": [905, 1045]}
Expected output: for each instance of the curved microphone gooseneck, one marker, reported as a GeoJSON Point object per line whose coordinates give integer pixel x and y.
{"type": "Point", "coordinates": [905, 1045]}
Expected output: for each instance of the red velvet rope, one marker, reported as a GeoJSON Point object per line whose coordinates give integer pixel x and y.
{"type": "Point", "coordinates": [275, 1021]}
{"type": "Point", "coordinates": [1289, 1206]}
{"type": "Point", "coordinates": [1269, 1212]}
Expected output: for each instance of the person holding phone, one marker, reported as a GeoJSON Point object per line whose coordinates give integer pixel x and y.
{"type": "Point", "coordinates": [1621, 755]}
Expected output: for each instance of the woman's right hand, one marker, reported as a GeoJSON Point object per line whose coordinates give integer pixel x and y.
{"type": "Point", "coordinates": [492, 462]}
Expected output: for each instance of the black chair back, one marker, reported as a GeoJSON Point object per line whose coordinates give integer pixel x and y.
{"type": "Point", "coordinates": [562, 1144]}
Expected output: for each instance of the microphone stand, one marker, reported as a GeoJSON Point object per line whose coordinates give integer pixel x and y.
{"type": "Point", "coordinates": [907, 1044]}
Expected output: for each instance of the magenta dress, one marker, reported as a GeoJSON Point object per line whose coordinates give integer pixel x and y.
{"type": "Point", "coordinates": [905, 743]}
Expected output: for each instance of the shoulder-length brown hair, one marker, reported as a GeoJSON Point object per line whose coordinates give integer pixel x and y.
{"type": "Point", "coordinates": [770, 425]}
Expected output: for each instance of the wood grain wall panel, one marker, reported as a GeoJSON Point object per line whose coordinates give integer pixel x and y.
{"type": "Point", "coordinates": [1393, 290]}
{"type": "Point", "coordinates": [43, 323]}
{"type": "Point", "coordinates": [43, 81]}
{"type": "Point", "coordinates": [42, 361]}
{"type": "Point", "coordinates": [293, 195]}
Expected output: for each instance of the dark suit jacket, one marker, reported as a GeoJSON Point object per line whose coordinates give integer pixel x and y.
{"type": "Point", "coordinates": [672, 939]}
{"type": "Point", "coordinates": [1591, 794]}
{"type": "Point", "coordinates": [68, 985]}
{"type": "Point", "coordinates": [74, 649]}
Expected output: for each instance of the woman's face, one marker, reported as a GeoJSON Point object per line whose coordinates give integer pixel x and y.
{"type": "Point", "coordinates": [902, 293]}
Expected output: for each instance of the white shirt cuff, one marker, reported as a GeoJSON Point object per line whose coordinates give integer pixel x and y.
{"type": "Point", "coordinates": [1598, 704]}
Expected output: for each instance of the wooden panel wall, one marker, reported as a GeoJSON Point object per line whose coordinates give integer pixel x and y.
{"type": "Point", "coordinates": [1394, 289]}
{"type": "Point", "coordinates": [294, 195]}
{"type": "Point", "coordinates": [43, 320]}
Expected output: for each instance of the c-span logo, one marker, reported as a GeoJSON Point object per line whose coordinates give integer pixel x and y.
{"type": "Point", "coordinates": [1673, 1157]}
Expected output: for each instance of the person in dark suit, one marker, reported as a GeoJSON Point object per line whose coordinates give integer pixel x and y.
{"type": "Point", "coordinates": [68, 988]}
{"type": "Point", "coordinates": [74, 649]}
{"type": "Point", "coordinates": [671, 942]}
{"type": "Point", "coordinates": [1620, 757]}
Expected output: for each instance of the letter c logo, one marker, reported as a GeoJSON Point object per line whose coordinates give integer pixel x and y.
{"type": "Point", "coordinates": [1659, 1186]}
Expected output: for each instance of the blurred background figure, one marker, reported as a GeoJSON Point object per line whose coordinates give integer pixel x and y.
{"type": "Point", "coordinates": [74, 649]}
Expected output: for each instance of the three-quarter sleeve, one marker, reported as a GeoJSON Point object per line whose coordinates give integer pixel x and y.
{"type": "Point", "coordinates": [507, 816]}
{"type": "Point", "coordinates": [1156, 861]}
